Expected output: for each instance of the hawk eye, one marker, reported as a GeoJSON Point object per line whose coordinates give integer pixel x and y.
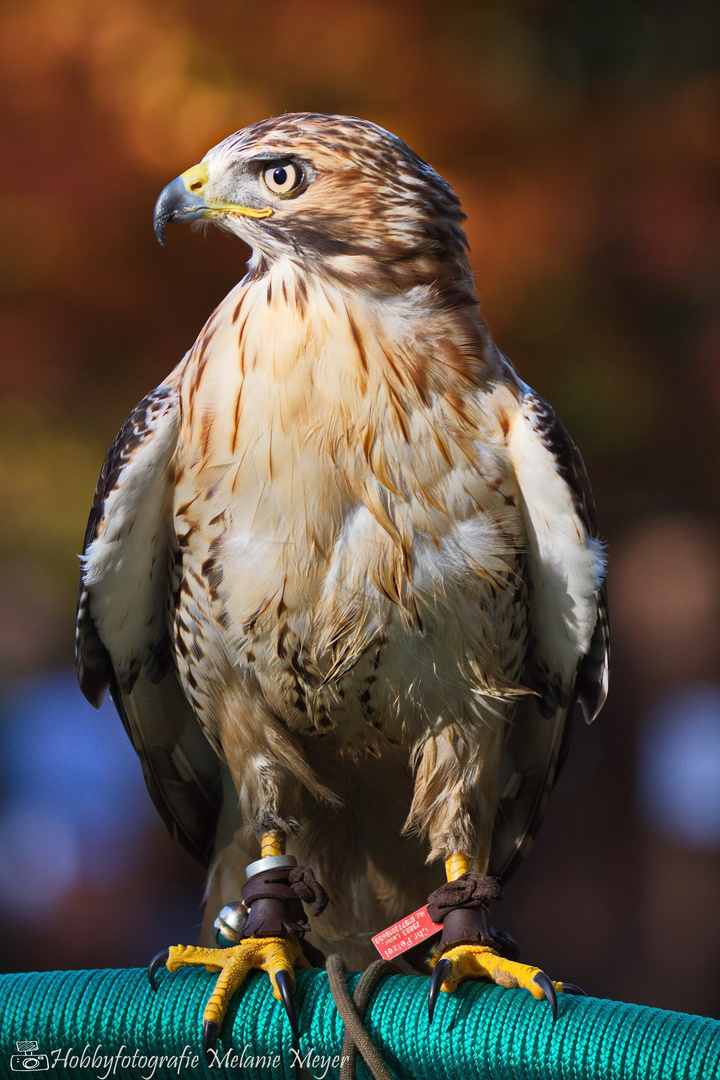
{"type": "Point", "coordinates": [282, 179]}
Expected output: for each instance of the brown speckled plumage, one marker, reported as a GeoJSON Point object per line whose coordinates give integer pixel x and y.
{"type": "Point", "coordinates": [366, 547]}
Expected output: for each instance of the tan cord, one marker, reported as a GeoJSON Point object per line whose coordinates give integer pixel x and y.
{"type": "Point", "coordinates": [352, 1010]}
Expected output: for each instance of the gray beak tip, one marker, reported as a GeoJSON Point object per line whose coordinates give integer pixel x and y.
{"type": "Point", "coordinates": [176, 202]}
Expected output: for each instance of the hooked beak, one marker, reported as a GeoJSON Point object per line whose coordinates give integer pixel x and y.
{"type": "Point", "coordinates": [184, 200]}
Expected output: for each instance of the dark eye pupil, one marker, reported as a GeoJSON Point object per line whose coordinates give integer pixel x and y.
{"type": "Point", "coordinates": [280, 176]}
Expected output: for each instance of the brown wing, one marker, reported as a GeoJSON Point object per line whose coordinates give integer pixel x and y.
{"type": "Point", "coordinates": [569, 641]}
{"type": "Point", "coordinates": [122, 639]}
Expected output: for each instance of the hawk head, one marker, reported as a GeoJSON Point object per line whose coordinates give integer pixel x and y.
{"type": "Point", "coordinates": [334, 193]}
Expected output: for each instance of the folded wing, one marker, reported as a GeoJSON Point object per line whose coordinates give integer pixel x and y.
{"type": "Point", "coordinates": [569, 641]}
{"type": "Point", "coordinates": [122, 638]}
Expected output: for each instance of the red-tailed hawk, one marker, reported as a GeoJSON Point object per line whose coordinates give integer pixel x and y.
{"type": "Point", "coordinates": [342, 573]}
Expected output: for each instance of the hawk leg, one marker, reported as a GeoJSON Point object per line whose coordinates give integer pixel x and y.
{"type": "Point", "coordinates": [468, 948]}
{"type": "Point", "coordinates": [264, 930]}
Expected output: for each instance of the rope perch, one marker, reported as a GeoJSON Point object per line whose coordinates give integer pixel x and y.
{"type": "Point", "coordinates": [85, 1021]}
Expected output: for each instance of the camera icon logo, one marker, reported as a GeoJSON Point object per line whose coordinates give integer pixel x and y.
{"type": "Point", "coordinates": [27, 1058]}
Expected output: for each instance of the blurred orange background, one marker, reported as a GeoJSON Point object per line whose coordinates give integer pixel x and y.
{"type": "Point", "coordinates": [584, 141]}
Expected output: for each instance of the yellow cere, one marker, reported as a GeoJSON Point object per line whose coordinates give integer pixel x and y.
{"type": "Point", "coordinates": [196, 178]}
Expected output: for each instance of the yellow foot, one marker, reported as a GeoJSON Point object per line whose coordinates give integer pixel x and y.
{"type": "Point", "coordinates": [481, 961]}
{"type": "Point", "coordinates": [278, 956]}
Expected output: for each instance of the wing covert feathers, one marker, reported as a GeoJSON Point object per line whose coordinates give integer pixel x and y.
{"type": "Point", "coordinates": [122, 606]}
{"type": "Point", "coordinates": [122, 636]}
{"type": "Point", "coordinates": [569, 640]}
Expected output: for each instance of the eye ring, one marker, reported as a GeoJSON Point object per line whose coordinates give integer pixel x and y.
{"type": "Point", "coordinates": [283, 178]}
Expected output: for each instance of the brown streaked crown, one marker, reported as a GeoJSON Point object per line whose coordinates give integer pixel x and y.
{"type": "Point", "coordinates": [370, 210]}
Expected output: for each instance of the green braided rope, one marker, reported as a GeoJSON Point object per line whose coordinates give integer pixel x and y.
{"type": "Point", "coordinates": [480, 1031]}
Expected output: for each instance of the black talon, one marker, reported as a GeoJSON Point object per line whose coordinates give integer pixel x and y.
{"type": "Point", "coordinates": [157, 962]}
{"type": "Point", "coordinates": [285, 986]}
{"type": "Point", "coordinates": [571, 988]}
{"type": "Point", "coordinates": [545, 984]}
{"type": "Point", "coordinates": [209, 1041]}
{"type": "Point", "coordinates": [436, 981]}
